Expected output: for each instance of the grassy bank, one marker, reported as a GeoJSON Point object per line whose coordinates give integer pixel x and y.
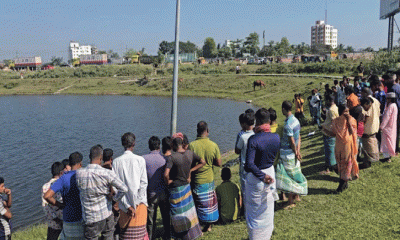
{"type": "Point", "coordinates": [367, 210]}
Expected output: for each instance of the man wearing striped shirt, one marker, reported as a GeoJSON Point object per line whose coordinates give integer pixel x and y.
{"type": "Point", "coordinates": [95, 185]}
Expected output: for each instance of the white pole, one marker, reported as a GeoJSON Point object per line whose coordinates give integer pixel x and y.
{"type": "Point", "coordinates": [174, 113]}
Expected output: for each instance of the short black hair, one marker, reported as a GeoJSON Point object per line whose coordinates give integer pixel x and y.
{"type": "Point", "coordinates": [272, 114]}
{"type": "Point", "coordinates": [249, 110]}
{"type": "Point", "coordinates": [348, 90]}
{"type": "Point", "coordinates": [128, 140]}
{"type": "Point", "coordinates": [185, 140]}
{"type": "Point", "coordinates": [388, 76]}
{"type": "Point", "coordinates": [166, 144]}
{"type": "Point", "coordinates": [57, 168]}
{"type": "Point", "coordinates": [262, 116]}
{"type": "Point", "coordinates": [365, 101]}
{"type": "Point", "coordinates": [335, 82]}
{"type": "Point", "coordinates": [75, 158]}
{"type": "Point", "coordinates": [226, 174]}
{"type": "Point", "coordinates": [376, 83]}
{"type": "Point", "coordinates": [107, 154]}
{"type": "Point", "coordinates": [287, 106]}
{"type": "Point", "coordinates": [241, 118]}
{"type": "Point", "coordinates": [374, 78]}
{"type": "Point", "coordinates": [65, 162]}
{"type": "Point", "coordinates": [249, 118]}
{"type": "Point", "coordinates": [329, 98]}
{"type": "Point", "coordinates": [176, 142]}
{"type": "Point", "coordinates": [1, 180]}
{"type": "Point", "coordinates": [154, 143]}
{"type": "Point", "coordinates": [341, 108]}
{"type": "Point", "coordinates": [202, 127]}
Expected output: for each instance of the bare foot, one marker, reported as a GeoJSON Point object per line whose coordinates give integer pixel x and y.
{"type": "Point", "coordinates": [325, 172]}
{"type": "Point", "coordinates": [290, 206]}
{"type": "Point", "coordinates": [297, 198]}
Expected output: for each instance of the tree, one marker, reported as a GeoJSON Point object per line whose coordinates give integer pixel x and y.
{"type": "Point", "coordinates": [225, 52]}
{"type": "Point", "coordinates": [320, 48]}
{"type": "Point", "coordinates": [8, 62]}
{"type": "Point", "coordinates": [56, 61]}
{"type": "Point", "coordinates": [283, 47]}
{"type": "Point", "coordinates": [340, 48]}
{"type": "Point", "coordinates": [349, 49]}
{"type": "Point", "coordinates": [209, 48]}
{"type": "Point", "coordinates": [112, 54]}
{"type": "Point", "coordinates": [130, 53]}
{"type": "Point", "coordinates": [368, 49]}
{"type": "Point", "coordinates": [166, 47]}
{"type": "Point", "coordinates": [236, 47]}
{"type": "Point", "coordinates": [251, 45]}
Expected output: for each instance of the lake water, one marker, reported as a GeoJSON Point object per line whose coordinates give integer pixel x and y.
{"type": "Point", "coordinates": [39, 130]}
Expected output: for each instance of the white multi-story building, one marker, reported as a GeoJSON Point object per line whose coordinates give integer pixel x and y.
{"type": "Point", "coordinates": [324, 34]}
{"type": "Point", "coordinates": [75, 51]}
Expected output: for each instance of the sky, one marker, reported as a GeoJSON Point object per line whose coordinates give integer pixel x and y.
{"type": "Point", "coordinates": [45, 28]}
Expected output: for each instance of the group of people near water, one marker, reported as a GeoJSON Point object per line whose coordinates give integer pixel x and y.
{"type": "Point", "coordinates": [118, 198]}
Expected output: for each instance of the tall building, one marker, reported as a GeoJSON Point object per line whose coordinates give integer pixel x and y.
{"type": "Point", "coordinates": [324, 34]}
{"type": "Point", "coordinates": [75, 50]}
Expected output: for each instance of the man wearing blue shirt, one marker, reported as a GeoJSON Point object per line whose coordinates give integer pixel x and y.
{"type": "Point", "coordinates": [72, 209]}
{"type": "Point", "coordinates": [262, 149]}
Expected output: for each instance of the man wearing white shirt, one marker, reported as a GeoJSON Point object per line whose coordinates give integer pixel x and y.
{"type": "Point", "coordinates": [131, 169]}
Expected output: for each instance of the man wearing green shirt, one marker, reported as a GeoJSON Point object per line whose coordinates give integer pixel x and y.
{"type": "Point", "coordinates": [203, 179]}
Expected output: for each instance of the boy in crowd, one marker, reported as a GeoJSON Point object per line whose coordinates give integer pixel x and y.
{"type": "Point", "coordinates": [166, 146]}
{"type": "Point", "coordinates": [273, 117]}
{"type": "Point", "coordinates": [107, 158]}
{"type": "Point", "coordinates": [5, 213]}
{"type": "Point", "coordinates": [242, 130]}
{"type": "Point", "coordinates": [229, 199]}
{"type": "Point", "coordinates": [71, 205]}
{"type": "Point", "coordinates": [247, 124]}
{"type": "Point", "coordinates": [67, 166]}
{"type": "Point", "coordinates": [53, 214]}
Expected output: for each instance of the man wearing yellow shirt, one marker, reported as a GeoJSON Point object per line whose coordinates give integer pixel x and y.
{"type": "Point", "coordinates": [329, 142]}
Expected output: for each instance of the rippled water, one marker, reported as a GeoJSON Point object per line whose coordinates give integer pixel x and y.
{"type": "Point", "coordinates": [39, 130]}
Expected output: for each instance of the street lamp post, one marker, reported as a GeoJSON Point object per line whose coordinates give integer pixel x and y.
{"type": "Point", "coordinates": [174, 111]}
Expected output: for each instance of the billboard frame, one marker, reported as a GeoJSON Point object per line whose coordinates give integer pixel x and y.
{"type": "Point", "coordinates": [387, 10]}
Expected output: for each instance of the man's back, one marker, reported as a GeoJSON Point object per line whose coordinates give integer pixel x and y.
{"type": "Point", "coordinates": [131, 170]}
{"type": "Point", "coordinates": [66, 184]}
{"type": "Point", "coordinates": [209, 151]}
{"type": "Point", "coordinates": [155, 167]}
{"type": "Point", "coordinates": [94, 183]}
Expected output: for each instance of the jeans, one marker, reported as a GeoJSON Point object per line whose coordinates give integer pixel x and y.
{"type": "Point", "coordinates": [105, 228]}
{"type": "Point", "coordinates": [329, 147]}
{"type": "Point", "coordinates": [159, 200]}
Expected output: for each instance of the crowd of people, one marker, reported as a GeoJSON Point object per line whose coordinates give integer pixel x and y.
{"type": "Point", "coordinates": [119, 198]}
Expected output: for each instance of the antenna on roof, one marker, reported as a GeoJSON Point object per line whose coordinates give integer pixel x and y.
{"type": "Point", "coordinates": [326, 12]}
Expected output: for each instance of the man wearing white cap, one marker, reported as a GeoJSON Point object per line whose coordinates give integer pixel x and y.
{"type": "Point", "coordinates": [389, 128]}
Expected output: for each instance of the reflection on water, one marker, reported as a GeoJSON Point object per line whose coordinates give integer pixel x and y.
{"type": "Point", "coordinates": [39, 130]}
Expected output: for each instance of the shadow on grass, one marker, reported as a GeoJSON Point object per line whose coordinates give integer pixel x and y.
{"type": "Point", "coordinates": [324, 178]}
{"type": "Point", "coordinates": [319, 191]}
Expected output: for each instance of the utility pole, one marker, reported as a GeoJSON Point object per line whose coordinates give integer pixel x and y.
{"type": "Point", "coordinates": [263, 42]}
{"type": "Point", "coordinates": [174, 110]}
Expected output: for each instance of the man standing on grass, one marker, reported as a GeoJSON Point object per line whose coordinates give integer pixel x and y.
{"type": "Point", "coordinates": [131, 170]}
{"type": "Point", "coordinates": [157, 194]}
{"type": "Point", "coordinates": [71, 205]}
{"type": "Point", "coordinates": [260, 189]}
{"type": "Point", "coordinates": [289, 177]}
{"type": "Point", "coordinates": [94, 183]}
{"type": "Point", "coordinates": [371, 128]}
{"type": "Point", "coordinates": [203, 179]}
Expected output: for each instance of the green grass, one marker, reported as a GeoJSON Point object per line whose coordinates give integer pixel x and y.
{"type": "Point", "coordinates": [367, 210]}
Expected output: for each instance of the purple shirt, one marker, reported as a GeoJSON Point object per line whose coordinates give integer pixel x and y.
{"type": "Point", "coordinates": [155, 167]}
